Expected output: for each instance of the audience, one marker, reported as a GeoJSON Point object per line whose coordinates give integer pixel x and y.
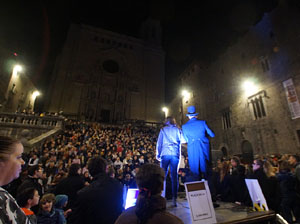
{"type": "Point", "coordinates": [61, 166]}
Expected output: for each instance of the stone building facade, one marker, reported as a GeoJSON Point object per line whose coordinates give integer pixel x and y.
{"type": "Point", "coordinates": [17, 91]}
{"type": "Point", "coordinates": [266, 120]}
{"type": "Point", "coordinates": [106, 76]}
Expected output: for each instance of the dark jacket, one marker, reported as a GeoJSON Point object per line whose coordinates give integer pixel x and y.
{"type": "Point", "coordinates": [48, 217]}
{"type": "Point", "coordinates": [287, 185]}
{"type": "Point", "coordinates": [100, 202]}
{"type": "Point", "coordinates": [161, 216]}
{"type": "Point", "coordinates": [70, 186]}
{"type": "Point", "coordinates": [238, 186]}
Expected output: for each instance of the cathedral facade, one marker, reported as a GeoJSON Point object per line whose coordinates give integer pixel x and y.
{"type": "Point", "coordinates": [107, 77]}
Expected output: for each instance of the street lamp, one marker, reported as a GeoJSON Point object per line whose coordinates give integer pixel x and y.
{"type": "Point", "coordinates": [250, 87]}
{"type": "Point", "coordinates": [166, 111]}
{"type": "Point", "coordinates": [33, 98]}
{"type": "Point", "coordinates": [186, 95]}
{"type": "Point", "coordinates": [17, 68]}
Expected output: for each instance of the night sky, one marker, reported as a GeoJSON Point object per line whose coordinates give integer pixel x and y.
{"type": "Point", "coordinates": [36, 30]}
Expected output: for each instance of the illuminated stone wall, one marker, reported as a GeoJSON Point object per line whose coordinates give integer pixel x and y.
{"type": "Point", "coordinates": [268, 54]}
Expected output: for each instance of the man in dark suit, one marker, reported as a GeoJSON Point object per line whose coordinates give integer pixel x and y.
{"type": "Point", "coordinates": [194, 132]}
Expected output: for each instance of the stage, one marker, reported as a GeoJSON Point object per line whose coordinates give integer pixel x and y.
{"type": "Point", "coordinates": [226, 213]}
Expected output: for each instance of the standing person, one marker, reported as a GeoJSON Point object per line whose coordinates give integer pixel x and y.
{"type": "Point", "coordinates": [101, 201]}
{"type": "Point", "coordinates": [288, 194]}
{"type": "Point", "coordinates": [168, 152]}
{"type": "Point", "coordinates": [10, 165]}
{"type": "Point", "coordinates": [150, 205]}
{"type": "Point", "coordinates": [71, 184]}
{"type": "Point", "coordinates": [194, 132]}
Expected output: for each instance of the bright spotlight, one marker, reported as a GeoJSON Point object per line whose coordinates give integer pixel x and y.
{"type": "Point", "coordinates": [250, 87]}
{"type": "Point", "coordinates": [17, 68]}
{"type": "Point", "coordinates": [186, 95]}
{"type": "Point", "coordinates": [166, 111]}
{"type": "Point", "coordinates": [35, 94]}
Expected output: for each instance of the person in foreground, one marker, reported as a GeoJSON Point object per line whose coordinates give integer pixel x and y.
{"type": "Point", "coordinates": [10, 165]}
{"type": "Point", "coordinates": [150, 206]}
{"type": "Point", "coordinates": [101, 201]}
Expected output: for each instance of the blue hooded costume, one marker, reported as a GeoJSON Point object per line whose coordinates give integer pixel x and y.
{"type": "Point", "coordinates": [194, 132]}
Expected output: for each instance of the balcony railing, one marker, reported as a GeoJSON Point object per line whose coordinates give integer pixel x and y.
{"type": "Point", "coordinates": [21, 119]}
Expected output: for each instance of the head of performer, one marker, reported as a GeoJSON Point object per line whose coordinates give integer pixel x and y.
{"type": "Point", "coordinates": [191, 112]}
{"type": "Point", "coordinates": [170, 121]}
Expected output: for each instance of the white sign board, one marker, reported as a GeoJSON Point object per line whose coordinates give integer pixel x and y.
{"type": "Point", "coordinates": [199, 198]}
{"type": "Point", "coordinates": [257, 197]}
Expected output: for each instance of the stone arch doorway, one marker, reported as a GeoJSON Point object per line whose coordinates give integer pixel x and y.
{"type": "Point", "coordinates": [247, 152]}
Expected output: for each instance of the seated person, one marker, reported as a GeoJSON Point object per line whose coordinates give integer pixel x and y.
{"type": "Point", "coordinates": [47, 213]}
{"type": "Point", "coordinates": [26, 199]}
{"type": "Point", "coordinates": [150, 206]}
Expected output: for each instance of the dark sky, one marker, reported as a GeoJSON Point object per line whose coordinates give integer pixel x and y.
{"type": "Point", "coordinates": [36, 29]}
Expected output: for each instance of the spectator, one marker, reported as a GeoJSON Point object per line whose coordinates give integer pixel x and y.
{"type": "Point", "coordinates": [269, 186]}
{"type": "Point", "coordinates": [47, 214]}
{"type": "Point", "coordinates": [10, 165]}
{"type": "Point", "coordinates": [118, 164]}
{"type": "Point", "coordinates": [71, 185]}
{"type": "Point", "coordinates": [222, 182]}
{"type": "Point", "coordinates": [150, 206]}
{"type": "Point", "coordinates": [35, 173]}
{"type": "Point", "coordinates": [61, 202]}
{"type": "Point", "coordinates": [237, 183]}
{"type": "Point", "coordinates": [294, 161]}
{"type": "Point", "coordinates": [34, 160]}
{"type": "Point", "coordinates": [26, 199]}
{"type": "Point", "coordinates": [288, 192]}
{"type": "Point", "coordinates": [87, 178]}
{"type": "Point", "coordinates": [102, 200]}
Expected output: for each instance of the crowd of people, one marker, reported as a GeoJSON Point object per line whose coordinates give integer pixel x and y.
{"type": "Point", "coordinates": [63, 180]}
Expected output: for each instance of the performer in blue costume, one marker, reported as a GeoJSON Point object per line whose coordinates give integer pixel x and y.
{"type": "Point", "coordinates": [194, 132]}
{"type": "Point", "coordinates": [168, 152]}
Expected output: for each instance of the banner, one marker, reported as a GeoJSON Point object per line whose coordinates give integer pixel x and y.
{"type": "Point", "coordinates": [292, 98]}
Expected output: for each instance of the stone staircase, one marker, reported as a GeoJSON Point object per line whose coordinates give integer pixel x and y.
{"type": "Point", "coordinates": [30, 129]}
